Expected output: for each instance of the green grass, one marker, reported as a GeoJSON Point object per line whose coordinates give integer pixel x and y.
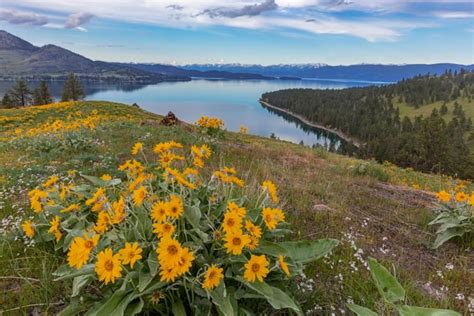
{"type": "Point", "coordinates": [425, 110]}
{"type": "Point", "coordinates": [376, 210]}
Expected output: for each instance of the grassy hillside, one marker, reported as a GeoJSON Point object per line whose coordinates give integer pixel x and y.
{"type": "Point", "coordinates": [425, 110]}
{"type": "Point", "coordinates": [374, 209]}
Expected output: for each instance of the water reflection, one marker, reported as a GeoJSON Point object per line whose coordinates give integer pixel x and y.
{"type": "Point", "coordinates": [235, 101]}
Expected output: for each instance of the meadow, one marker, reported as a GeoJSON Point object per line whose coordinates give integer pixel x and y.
{"type": "Point", "coordinates": [374, 210]}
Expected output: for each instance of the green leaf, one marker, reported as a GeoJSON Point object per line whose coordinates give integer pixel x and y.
{"type": "Point", "coordinates": [101, 183]}
{"type": "Point", "coordinates": [152, 262]}
{"type": "Point", "coordinates": [193, 215]}
{"type": "Point", "coordinates": [79, 283]}
{"type": "Point", "coordinates": [386, 283]}
{"type": "Point", "coordinates": [271, 249]}
{"type": "Point", "coordinates": [144, 278]}
{"type": "Point", "coordinates": [447, 235]}
{"type": "Point", "coordinates": [134, 307]}
{"type": "Point", "coordinates": [406, 310]}
{"type": "Point", "coordinates": [66, 272]}
{"type": "Point", "coordinates": [76, 306]}
{"type": "Point", "coordinates": [360, 310]}
{"type": "Point", "coordinates": [177, 308]}
{"type": "Point", "coordinates": [307, 251]}
{"type": "Point", "coordinates": [276, 297]}
{"type": "Point", "coordinates": [115, 305]}
{"type": "Point", "coordinates": [222, 300]}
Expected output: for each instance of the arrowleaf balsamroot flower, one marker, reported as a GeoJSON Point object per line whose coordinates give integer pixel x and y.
{"type": "Point", "coordinates": [54, 229]}
{"type": "Point", "coordinates": [213, 277]}
{"type": "Point", "coordinates": [107, 266]}
{"type": "Point", "coordinates": [130, 254]}
{"type": "Point", "coordinates": [106, 177]}
{"type": "Point", "coordinates": [175, 207]}
{"type": "Point", "coordinates": [443, 196]}
{"type": "Point", "coordinates": [80, 250]}
{"type": "Point", "coordinates": [461, 197]}
{"type": "Point", "coordinates": [169, 252]}
{"type": "Point", "coordinates": [28, 228]}
{"type": "Point", "coordinates": [235, 241]}
{"type": "Point", "coordinates": [136, 149]}
{"type": "Point", "coordinates": [283, 265]}
{"type": "Point", "coordinates": [272, 216]}
{"type": "Point", "coordinates": [139, 195]}
{"type": "Point", "coordinates": [159, 211]}
{"type": "Point", "coordinates": [270, 188]}
{"type": "Point", "coordinates": [163, 230]}
{"type": "Point", "coordinates": [256, 268]}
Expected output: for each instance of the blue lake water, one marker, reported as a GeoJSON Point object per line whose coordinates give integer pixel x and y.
{"type": "Point", "coordinates": [234, 101]}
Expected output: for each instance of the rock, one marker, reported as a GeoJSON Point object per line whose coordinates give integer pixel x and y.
{"type": "Point", "coordinates": [169, 120]}
{"type": "Point", "coordinates": [322, 207]}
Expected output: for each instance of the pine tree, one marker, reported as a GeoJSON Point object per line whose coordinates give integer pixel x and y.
{"type": "Point", "coordinates": [20, 94]}
{"type": "Point", "coordinates": [41, 95]}
{"type": "Point", "coordinates": [72, 89]}
{"type": "Point", "coordinates": [7, 101]}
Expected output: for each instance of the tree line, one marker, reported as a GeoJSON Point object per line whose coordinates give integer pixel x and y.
{"type": "Point", "coordinates": [21, 95]}
{"type": "Point", "coordinates": [429, 144]}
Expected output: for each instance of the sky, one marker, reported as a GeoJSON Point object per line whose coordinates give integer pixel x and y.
{"type": "Point", "coordinates": [335, 32]}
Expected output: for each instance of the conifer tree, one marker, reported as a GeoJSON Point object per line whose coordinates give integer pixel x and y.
{"type": "Point", "coordinates": [20, 94]}
{"type": "Point", "coordinates": [41, 95]}
{"type": "Point", "coordinates": [7, 101]}
{"type": "Point", "coordinates": [72, 90]}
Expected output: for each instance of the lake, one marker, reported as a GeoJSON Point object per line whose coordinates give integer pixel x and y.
{"type": "Point", "coordinates": [234, 101]}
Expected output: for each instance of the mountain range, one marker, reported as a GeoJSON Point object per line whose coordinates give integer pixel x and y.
{"type": "Point", "coordinates": [19, 58]}
{"type": "Point", "coordinates": [362, 72]}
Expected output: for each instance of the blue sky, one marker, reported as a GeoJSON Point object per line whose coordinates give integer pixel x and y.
{"type": "Point", "coordinates": [250, 31]}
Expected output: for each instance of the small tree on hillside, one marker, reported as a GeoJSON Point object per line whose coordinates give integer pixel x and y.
{"type": "Point", "coordinates": [72, 89]}
{"type": "Point", "coordinates": [41, 95]}
{"type": "Point", "coordinates": [7, 101]}
{"type": "Point", "coordinates": [20, 94]}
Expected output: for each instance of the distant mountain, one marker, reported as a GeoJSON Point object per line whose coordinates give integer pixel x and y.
{"type": "Point", "coordinates": [20, 58]}
{"type": "Point", "coordinates": [364, 72]}
{"type": "Point", "coordinates": [217, 74]}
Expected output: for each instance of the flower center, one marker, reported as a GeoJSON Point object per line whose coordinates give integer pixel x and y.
{"type": "Point", "coordinates": [255, 267]}
{"type": "Point", "coordinates": [230, 222]}
{"type": "Point", "coordinates": [236, 241]}
{"type": "Point", "coordinates": [268, 218]}
{"type": "Point", "coordinates": [109, 265]}
{"type": "Point", "coordinates": [212, 275]}
{"type": "Point", "coordinates": [89, 244]}
{"type": "Point", "coordinates": [131, 254]}
{"type": "Point", "coordinates": [172, 250]}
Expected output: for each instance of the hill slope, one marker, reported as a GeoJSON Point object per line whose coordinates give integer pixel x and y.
{"type": "Point", "coordinates": [372, 115]}
{"type": "Point", "coordinates": [375, 210]}
{"type": "Point", "coordinates": [20, 58]}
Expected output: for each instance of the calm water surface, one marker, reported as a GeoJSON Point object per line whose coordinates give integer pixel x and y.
{"type": "Point", "coordinates": [236, 102]}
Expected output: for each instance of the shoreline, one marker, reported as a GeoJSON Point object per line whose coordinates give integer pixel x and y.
{"type": "Point", "coordinates": [312, 124]}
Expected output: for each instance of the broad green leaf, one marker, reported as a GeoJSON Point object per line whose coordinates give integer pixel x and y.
{"type": "Point", "coordinates": [276, 297]}
{"type": "Point", "coordinates": [79, 283]}
{"type": "Point", "coordinates": [360, 310]}
{"type": "Point", "coordinates": [76, 306]}
{"type": "Point", "coordinates": [101, 183]}
{"type": "Point", "coordinates": [144, 278]}
{"type": "Point", "coordinates": [193, 215]}
{"type": "Point", "coordinates": [406, 310]}
{"type": "Point", "coordinates": [307, 251]}
{"type": "Point", "coordinates": [135, 307]}
{"type": "Point", "coordinates": [447, 235]}
{"type": "Point", "coordinates": [271, 249]}
{"type": "Point", "coordinates": [222, 300]}
{"type": "Point", "coordinates": [386, 283]}
{"type": "Point", "coordinates": [152, 262]}
{"type": "Point", "coordinates": [113, 305]}
{"type": "Point", "coordinates": [177, 308]}
{"type": "Point", "coordinates": [66, 272]}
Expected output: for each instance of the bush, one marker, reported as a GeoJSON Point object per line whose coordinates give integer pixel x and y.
{"type": "Point", "coordinates": [163, 239]}
{"type": "Point", "coordinates": [455, 216]}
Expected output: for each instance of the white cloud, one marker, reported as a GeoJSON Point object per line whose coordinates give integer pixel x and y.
{"type": "Point", "coordinates": [280, 15]}
{"type": "Point", "coordinates": [453, 14]}
{"type": "Point", "coordinates": [17, 17]}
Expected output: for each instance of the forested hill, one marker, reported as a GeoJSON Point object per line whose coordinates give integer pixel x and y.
{"type": "Point", "coordinates": [432, 143]}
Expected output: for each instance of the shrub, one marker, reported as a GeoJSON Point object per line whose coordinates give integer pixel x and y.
{"type": "Point", "coordinates": [455, 216]}
{"type": "Point", "coordinates": [164, 239]}
{"type": "Point", "coordinates": [394, 296]}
